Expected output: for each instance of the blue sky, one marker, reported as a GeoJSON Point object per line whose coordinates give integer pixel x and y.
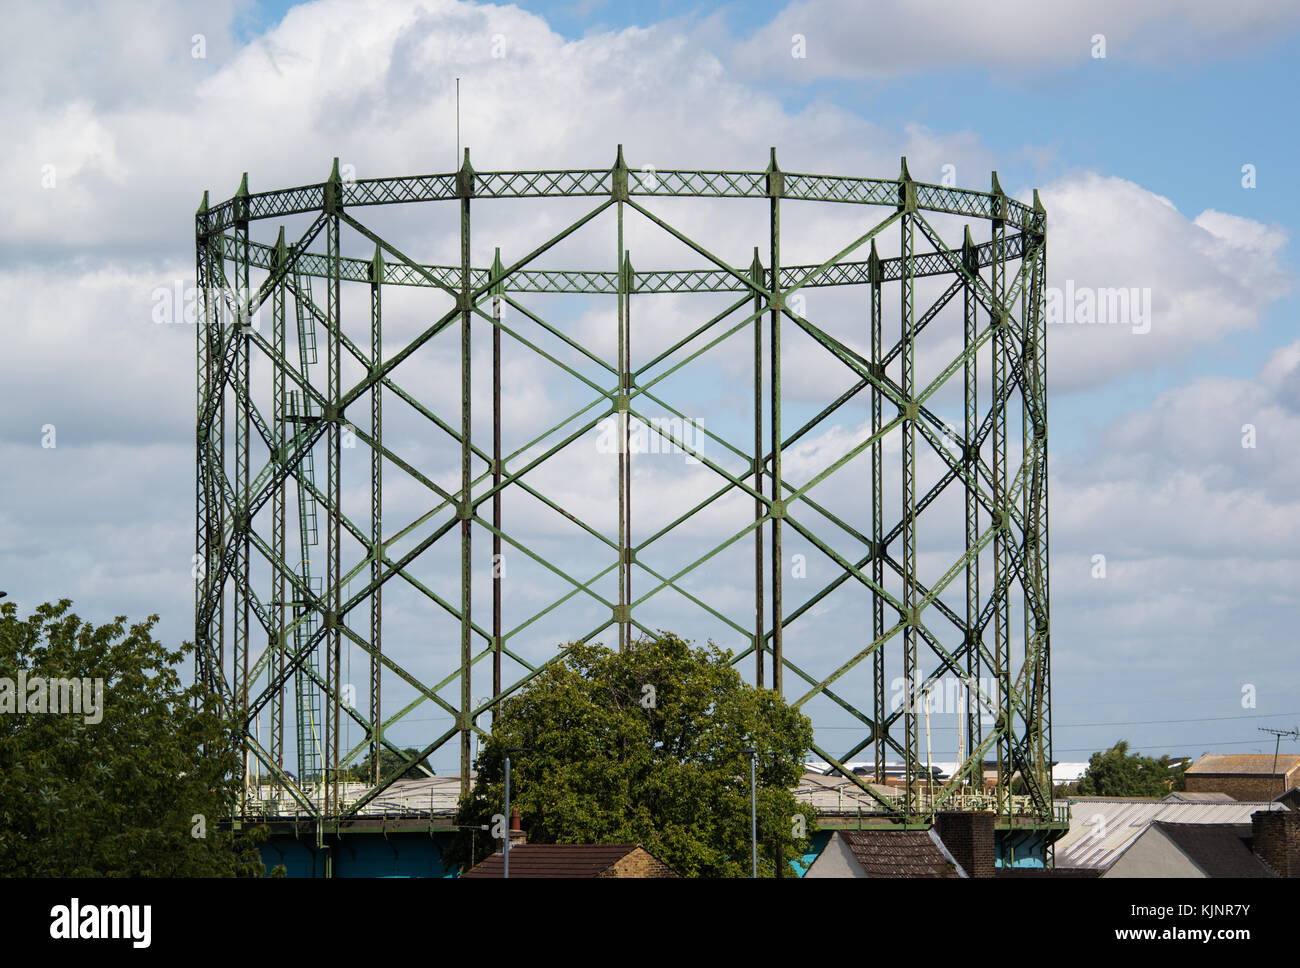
{"type": "Point", "coordinates": [1200, 533]}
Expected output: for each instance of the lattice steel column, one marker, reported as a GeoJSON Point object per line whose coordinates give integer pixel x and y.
{"type": "Point", "coordinates": [907, 204]}
{"type": "Point", "coordinates": [875, 276]}
{"type": "Point", "coordinates": [376, 511]}
{"type": "Point", "coordinates": [775, 188]}
{"type": "Point", "coordinates": [970, 465]}
{"type": "Point", "coordinates": [277, 641]}
{"type": "Point", "coordinates": [1001, 550]}
{"type": "Point", "coordinates": [465, 188]}
{"type": "Point", "coordinates": [756, 277]}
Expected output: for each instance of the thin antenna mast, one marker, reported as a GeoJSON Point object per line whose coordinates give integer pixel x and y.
{"type": "Point", "coordinates": [1279, 733]}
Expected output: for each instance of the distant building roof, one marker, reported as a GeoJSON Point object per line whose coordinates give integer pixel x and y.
{"type": "Point", "coordinates": [1246, 764]}
{"type": "Point", "coordinates": [566, 860]}
{"type": "Point", "coordinates": [1182, 796]}
{"type": "Point", "coordinates": [1102, 827]}
{"type": "Point", "coordinates": [1219, 849]}
{"type": "Point", "coordinates": [900, 853]}
{"type": "Point", "coordinates": [1291, 798]}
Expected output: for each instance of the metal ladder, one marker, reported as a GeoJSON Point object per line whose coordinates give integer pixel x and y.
{"type": "Point", "coordinates": [308, 695]}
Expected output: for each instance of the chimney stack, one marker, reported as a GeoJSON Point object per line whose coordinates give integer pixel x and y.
{"type": "Point", "coordinates": [517, 835]}
{"type": "Point", "coordinates": [1275, 838]}
{"type": "Point", "coordinates": [968, 835]}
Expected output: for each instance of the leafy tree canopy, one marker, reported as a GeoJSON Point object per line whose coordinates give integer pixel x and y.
{"type": "Point", "coordinates": [128, 795]}
{"type": "Point", "coordinates": [645, 746]}
{"type": "Point", "coordinates": [1118, 773]}
{"type": "Point", "coordinates": [388, 764]}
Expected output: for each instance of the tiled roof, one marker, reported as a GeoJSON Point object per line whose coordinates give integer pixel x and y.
{"type": "Point", "coordinates": [555, 860]}
{"type": "Point", "coordinates": [1246, 764]}
{"type": "Point", "coordinates": [1219, 849]}
{"type": "Point", "coordinates": [898, 853]}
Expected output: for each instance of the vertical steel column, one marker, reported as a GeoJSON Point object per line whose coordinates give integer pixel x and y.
{"type": "Point", "coordinates": [498, 289]}
{"type": "Point", "coordinates": [242, 524]}
{"type": "Point", "coordinates": [278, 521]}
{"type": "Point", "coordinates": [626, 540]}
{"type": "Point", "coordinates": [219, 450]}
{"type": "Point", "coordinates": [756, 276]}
{"type": "Point", "coordinates": [876, 277]}
{"type": "Point", "coordinates": [619, 190]}
{"type": "Point", "coordinates": [465, 189]}
{"type": "Point", "coordinates": [376, 511]}
{"type": "Point", "coordinates": [203, 469]}
{"type": "Point", "coordinates": [334, 488]}
{"type": "Point", "coordinates": [1036, 516]}
{"type": "Point", "coordinates": [1001, 557]}
{"type": "Point", "coordinates": [1029, 481]}
{"type": "Point", "coordinates": [775, 189]}
{"type": "Point", "coordinates": [974, 633]}
{"type": "Point", "coordinates": [907, 205]}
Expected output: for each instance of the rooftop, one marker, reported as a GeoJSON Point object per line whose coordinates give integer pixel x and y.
{"type": "Point", "coordinates": [1245, 764]}
{"type": "Point", "coordinates": [900, 853]}
{"type": "Point", "coordinates": [1102, 827]}
{"type": "Point", "coordinates": [554, 860]}
{"type": "Point", "coordinates": [1219, 849]}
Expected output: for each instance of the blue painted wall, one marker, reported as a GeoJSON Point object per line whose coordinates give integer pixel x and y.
{"type": "Point", "coordinates": [362, 855]}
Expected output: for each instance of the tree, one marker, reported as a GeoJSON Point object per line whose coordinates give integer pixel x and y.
{"type": "Point", "coordinates": [388, 763]}
{"type": "Point", "coordinates": [134, 785]}
{"type": "Point", "coordinates": [1118, 773]}
{"type": "Point", "coordinates": [645, 746]}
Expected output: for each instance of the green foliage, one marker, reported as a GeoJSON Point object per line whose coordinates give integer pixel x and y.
{"type": "Point", "coordinates": [1118, 773]}
{"type": "Point", "coordinates": [388, 763]}
{"type": "Point", "coordinates": [610, 761]}
{"type": "Point", "coordinates": [119, 797]}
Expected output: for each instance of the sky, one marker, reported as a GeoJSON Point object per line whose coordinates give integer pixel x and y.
{"type": "Point", "coordinates": [1155, 136]}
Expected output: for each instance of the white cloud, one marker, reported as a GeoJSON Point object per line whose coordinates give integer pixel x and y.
{"type": "Point", "coordinates": [107, 516]}
{"type": "Point", "coordinates": [1209, 277]}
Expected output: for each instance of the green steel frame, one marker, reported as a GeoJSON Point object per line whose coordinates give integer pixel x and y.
{"type": "Point", "coordinates": [292, 632]}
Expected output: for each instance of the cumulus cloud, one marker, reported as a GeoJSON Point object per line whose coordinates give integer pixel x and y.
{"type": "Point", "coordinates": [1138, 284]}
{"type": "Point", "coordinates": [106, 516]}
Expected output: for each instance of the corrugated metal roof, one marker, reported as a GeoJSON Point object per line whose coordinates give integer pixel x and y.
{"type": "Point", "coordinates": [427, 796]}
{"type": "Point", "coordinates": [1250, 764]}
{"type": "Point", "coordinates": [1102, 827]}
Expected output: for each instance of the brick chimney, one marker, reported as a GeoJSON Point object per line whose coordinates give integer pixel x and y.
{"type": "Point", "coordinates": [968, 835]}
{"type": "Point", "coordinates": [1275, 838]}
{"type": "Point", "coordinates": [517, 835]}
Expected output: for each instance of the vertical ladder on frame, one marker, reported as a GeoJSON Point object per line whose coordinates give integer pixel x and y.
{"type": "Point", "coordinates": [308, 719]}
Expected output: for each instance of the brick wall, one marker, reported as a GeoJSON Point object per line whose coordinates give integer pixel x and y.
{"type": "Point", "coordinates": [969, 838]}
{"type": "Point", "coordinates": [1275, 838]}
{"type": "Point", "coordinates": [639, 863]}
{"type": "Point", "coordinates": [1247, 787]}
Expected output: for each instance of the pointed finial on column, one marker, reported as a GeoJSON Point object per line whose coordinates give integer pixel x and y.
{"type": "Point", "coordinates": [775, 177]}
{"type": "Point", "coordinates": [465, 178]}
{"type": "Point", "coordinates": [498, 270]}
{"type": "Point", "coordinates": [334, 190]}
{"type": "Point", "coordinates": [619, 188]}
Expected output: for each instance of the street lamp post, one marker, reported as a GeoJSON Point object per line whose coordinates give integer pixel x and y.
{"type": "Point", "coordinates": [753, 810]}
